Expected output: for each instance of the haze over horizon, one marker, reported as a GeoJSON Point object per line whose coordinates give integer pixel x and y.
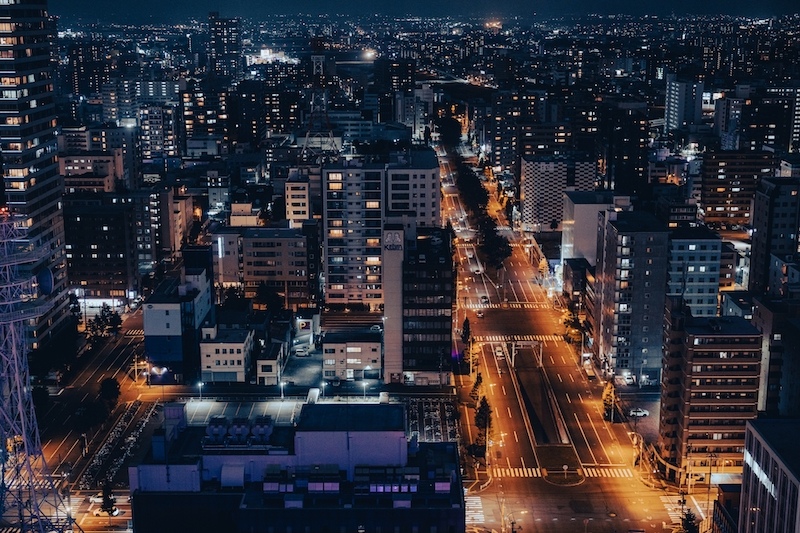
{"type": "Point", "coordinates": [181, 10]}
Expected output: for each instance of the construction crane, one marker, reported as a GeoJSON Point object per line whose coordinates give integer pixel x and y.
{"type": "Point", "coordinates": [29, 497]}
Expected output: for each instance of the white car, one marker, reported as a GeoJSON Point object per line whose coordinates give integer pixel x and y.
{"type": "Point", "coordinates": [98, 498]}
{"type": "Point", "coordinates": [102, 512]}
{"type": "Point", "coordinates": [479, 314]}
{"type": "Point", "coordinates": [630, 380]}
{"type": "Point", "coordinates": [638, 411]}
{"type": "Point", "coordinates": [498, 352]}
{"type": "Point", "coordinates": [484, 299]}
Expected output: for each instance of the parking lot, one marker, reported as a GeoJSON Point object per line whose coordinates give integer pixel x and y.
{"type": "Point", "coordinates": [432, 419]}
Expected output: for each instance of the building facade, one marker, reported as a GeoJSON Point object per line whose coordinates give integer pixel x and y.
{"type": "Point", "coordinates": [709, 390]}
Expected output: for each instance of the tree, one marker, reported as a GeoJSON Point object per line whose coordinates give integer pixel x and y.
{"type": "Point", "coordinates": [476, 387]}
{"type": "Point", "coordinates": [689, 522]}
{"type": "Point", "coordinates": [75, 307]}
{"type": "Point", "coordinates": [269, 297]}
{"type": "Point", "coordinates": [483, 421]}
{"type": "Point", "coordinates": [114, 323]}
{"type": "Point", "coordinates": [109, 391]}
{"type": "Point", "coordinates": [466, 333]}
{"type": "Point", "coordinates": [609, 399]}
{"type": "Point", "coordinates": [108, 497]}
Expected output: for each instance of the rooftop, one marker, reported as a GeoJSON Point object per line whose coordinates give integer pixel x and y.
{"type": "Point", "coordinates": [782, 436]}
{"type": "Point", "coordinates": [352, 417]}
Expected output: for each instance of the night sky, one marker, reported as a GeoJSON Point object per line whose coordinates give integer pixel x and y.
{"type": "Point", "coordinates": [137, 11]}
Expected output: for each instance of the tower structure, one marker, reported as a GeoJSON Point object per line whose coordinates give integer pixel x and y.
{"type": "Point", "coordinates": [320, 143]}
{"type": "Point", "coordinates": [29, 498]}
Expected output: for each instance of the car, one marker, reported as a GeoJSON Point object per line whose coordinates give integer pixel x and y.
{"type": "Point", "coordinates": [630, 380]}
{"type": "Point", "coordinates": [499, 352]}
{"type": "Point", "coordinates": [301, 351]}
{"type": "Point", "coordinates": [376, 327]}
{"type": "Point", "coordinates": [103, 512]}
{"type": "Point", "coordinates": [484, 299]}
{"type": "Point", "coordinates": [98, 498]}
{"type": "Point", "coordinates": [638, 411]}
{"type": "Point", "coordinates": [479, 314]}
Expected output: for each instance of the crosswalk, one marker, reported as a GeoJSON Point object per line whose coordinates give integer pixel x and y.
{"type": "Point", "coordinates": [515, 472]}
{"type": "Point", "coordinates": [509, 305]}
{"type": "Point", "coordinates": [505, 472]}
{"type": "Point", "coordinates": [134, 333]}
{"type": "Point", "coordinates": [607, 472]}
{"type": "Point", "coordinates": [512, 338]}
{"type": "Point", "coordinates": [673, 506]}
{"type": "Point", "coordinates": [474, 509]}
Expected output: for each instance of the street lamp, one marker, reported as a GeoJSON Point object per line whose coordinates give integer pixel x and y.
{"type": "Point", "coordinates": [200, 386]}
{"type": "Point", "coordinates": [364, 385]}
{"type": "Point", "coordinates": [282, 384]}
{"type": "Point", "coordinates": [323, 388]}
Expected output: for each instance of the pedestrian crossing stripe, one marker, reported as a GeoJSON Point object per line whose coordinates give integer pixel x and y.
{"type": "Point", "coordinates": [509, 305]}
{"type": "Point", "coordinates": [473, 507]}
{"type": "Point", "coordinates": [673, 506]}
{"type": "Point", "coordinates": [134, 333]}
{"type": "Point", "coordinates": [607, 472]}
{"type": "Point", "coordinates": [512, 338]}
{"type": "Point", "coordinates": [516, 472]}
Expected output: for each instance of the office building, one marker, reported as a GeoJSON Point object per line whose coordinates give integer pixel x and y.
{"type": "Point", "coordinates": [683, 104]}
{"type": "Point", "coordinates": [543, 182]}
{"type": "Point", "coordinates": [622, 146]}
{"type": "Point", "coordinates": [580, 212]}
{"type": "Point", "coordinates": [770, 501]}
{"type": "Point", "coordinates": [333, 467]}
{"type": "Point", "coordinates": [172, 319]}
{"type": "Point", "coordinates": [776, 218]}
{"type": "Point", "coordinates": [224, 48]}
{"type": "Point", "coordinates": [694, 267]}
{"type": "Point", "coordinates": [359, 197]}
{"type": "Point", "coordinates": [709, 390]}
{"type": "Point", "coordinates": [632, 262]}
{"type": "Point", "coordinates": [428, 292]}
{"type": "Point", "coordinates": [729, 182]}
{"type": "Point", "coordinates": [32, 188]}
{"type": "Point", "coordinates": [101, 252]}
{"type": "Point", "coordinates": [778, 319]}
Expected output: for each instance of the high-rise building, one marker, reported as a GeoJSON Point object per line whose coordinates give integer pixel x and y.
{"type": "Point", "coordinates": [543, 181]}
{"type": "Point", "coordinates": [32, 187]}
{"type": "Point", "coordinates": [683, 104]}
{"type": "Point", "coordinates": [224, 47]}
{"type": "Point", "coordinates": [776, 217]}
{"type": "Point", "coordinates": [694, 265]}
{"type": "Point", "coordinates": [729, 181]}
{"type": "Point", "coordinates": [709, 390]}
{"type": "Point", "coordinates": [359, 197]}
{"type": "Point", "coordinates": [631, 274]}
{"type": "Point", "coordinates": [770, 500]}
{"type": "Point", "coordinates": [622, 146]}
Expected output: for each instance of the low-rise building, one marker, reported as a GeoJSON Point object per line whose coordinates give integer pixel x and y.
{"type": "Point", "coordinates": [225, 354]}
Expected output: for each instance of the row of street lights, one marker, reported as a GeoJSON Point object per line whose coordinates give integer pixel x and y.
{"type": "Point", "coordinates": [282, 385]}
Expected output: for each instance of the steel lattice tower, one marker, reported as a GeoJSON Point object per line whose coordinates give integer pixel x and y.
{"type": "Point", "coordinates": [29, 497]}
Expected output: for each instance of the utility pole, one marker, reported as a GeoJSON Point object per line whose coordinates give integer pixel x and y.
{"type": "Point", "coordinates": [711, 457]}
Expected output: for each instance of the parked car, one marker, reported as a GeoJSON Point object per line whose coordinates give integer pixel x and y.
{"type": "Point", "coordinates": [103, 512]}
{"type": "Point", "coordinates": [638, 411]}
{"type": "Point", "coordinates": [479, 314]}
{"type": "Point", "coordinates": [630, 380]}
{"type": "Point", "coordinates": [98, 498]}
{"type": "Point", "coordinates": [301, 351]}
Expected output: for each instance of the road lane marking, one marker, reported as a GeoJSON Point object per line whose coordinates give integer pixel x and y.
{"type": "Point", "coordinates": [504, 390]}
{"type": "Point", "coordinates": [567, 395]}
{"type": "Point", "coordinates": [515, 472]}
{"type": "Point", "coordinates": [473, 507]}
{"type": "Point", "coordinates": [594, 428]}
{"type": "Point", "coordinates": [580, 397]}
{"type": "Point", "coordinates": [559, 378]}
{"type": "Point", "coordinates": [571, 378]}
{"type": "Point", "coordinates": [516, 439]}
{"type": "Point", "coordinates": [509, 412]}
{"type": "Point", "coordinates": [552, 361]}
{"type": "Point", "coordinates": [585, 439]}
